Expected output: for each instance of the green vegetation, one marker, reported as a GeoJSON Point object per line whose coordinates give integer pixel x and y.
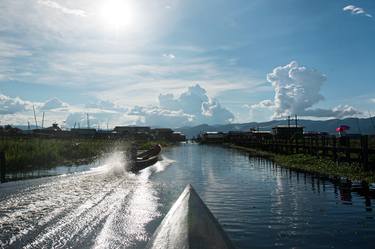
{"type": "Point", "coordinates": [40, 153]}
{"type": "Point", "coordinates": [35, 153]}
{"type": "Point", "coordinates": [312, 164]}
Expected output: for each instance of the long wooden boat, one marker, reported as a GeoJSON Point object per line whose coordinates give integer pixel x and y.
{"type": "Point", "coordinates": [154, 151]}
{"type": "Point", "coordinates": [189, 224]}
{"type": "Point", "coordinates": [140, 164]}
{"type": "Point", "coordinates": [145, 159]}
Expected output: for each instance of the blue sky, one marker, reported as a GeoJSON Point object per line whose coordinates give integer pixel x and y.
{"type": "Point", "coordinates": [114, 58]}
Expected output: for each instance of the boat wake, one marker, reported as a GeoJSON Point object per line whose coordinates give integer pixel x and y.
{"type": "Point", "coordinates": [159, 166]}
{"type": "Point", "coordinates": [105, 207]}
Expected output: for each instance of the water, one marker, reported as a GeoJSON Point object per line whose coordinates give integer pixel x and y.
{"type": "Point", "coordinates": [259, 204]}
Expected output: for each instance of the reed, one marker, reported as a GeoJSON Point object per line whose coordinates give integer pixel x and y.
{"type": "Point", "coordinates": [312, 164]}
{"type": "Point", "coordinates": [36, 153]}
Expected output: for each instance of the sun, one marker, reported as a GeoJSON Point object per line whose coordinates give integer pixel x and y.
{"type": "Point", "coordinates": [118, 14]}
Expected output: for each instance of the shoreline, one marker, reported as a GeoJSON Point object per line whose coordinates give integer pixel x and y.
{"type": "Point", "coordinates": [313, 165]}
{"type": "Point", "coordinates": [24, 155]}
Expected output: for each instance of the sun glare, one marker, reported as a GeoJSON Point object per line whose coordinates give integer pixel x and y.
{"type": "Point", "coordinates": [117, 14]}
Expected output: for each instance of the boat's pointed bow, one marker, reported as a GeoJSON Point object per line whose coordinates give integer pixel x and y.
{"type": "Point", "coordinates": [189, 224]}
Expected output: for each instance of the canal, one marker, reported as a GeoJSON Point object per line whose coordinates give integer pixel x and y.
{"type": "Point", "coordinates": [259, 204]}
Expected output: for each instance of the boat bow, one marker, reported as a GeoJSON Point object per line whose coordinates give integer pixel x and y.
{"type": "Point", "coordinates": [189, 224]}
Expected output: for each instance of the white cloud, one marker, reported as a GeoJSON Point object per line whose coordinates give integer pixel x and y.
{"type": "Point", "coordinates": [354, 10]}
{"type": "Point", "coordinates": [53, 103]}
{"type": "Point", "coordinates": [98, 119]}
{"type": "Point", "coordinates": [297, 90]}
{"type": "Point", "coordinates": [106, 105]}
{"type": "Point", "coordinates": [10, 50]}
{"type": "Point", "coordinates": [9, 105]}
{"type": "Point", "coordinates": [159, 117]}
{"type": "Point", "coordinates": [192, 107]}
{"type": "Point", "coordinates": [65, 10]}
{"type": "Point", "coordinates": [169, 56]}
{"type": "Point", "coordinates": [263, 104]}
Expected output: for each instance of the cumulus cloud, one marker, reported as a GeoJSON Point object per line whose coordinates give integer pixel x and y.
{"type": "Point", "coordinates": [190, 108]}
{"type": "Point", "coordinates": [340, 111]}
{"type": "Point", "coordinates": [19, 111]}
{"type": "Point", "coordinates": [297, 90]}
{"type": "Point", "coordinates": [354, 10]}
{"type": "Point", "coordinates": [53, 103]}
{"type": "Point", "coordinates": [159, 117]}
{"type": "Point", "coordinates": [264, 104]}
{"type": "Point", "coordinates": [63, 9]}
{"type": "Point", "coordinates": [9, 105]}
{"type": "Point", "coordinates": [106, 105]}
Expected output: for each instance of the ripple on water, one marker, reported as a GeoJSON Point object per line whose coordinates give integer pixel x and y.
{"type": "Point", "coordinates": [259, 204]}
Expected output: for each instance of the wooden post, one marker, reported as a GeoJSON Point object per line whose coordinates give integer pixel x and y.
{"type": "Point", "coordinates": [364, 151]}
{"type": "Point", "coordinates": [334, 149]}
{"type": "Point", "coordinates": [296, 144]}
{"type": "Point", "coordinates": [2, 166]}
{"type": "Point", "coordinates": [304, 145]}
{"type": "Point", "coordinates": [347, 149]}
{"type": "Point", "coordinates": [324, 148]}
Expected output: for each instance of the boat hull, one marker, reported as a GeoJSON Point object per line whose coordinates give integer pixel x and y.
{"type": "Point", "coordinates": [189, 224]}
{"type": "Point", "coordinates": [143, 160]}
{"type": "Point", "coordinates": [154, 151]}
{"type": "Point", "coordinates": [142, 164]}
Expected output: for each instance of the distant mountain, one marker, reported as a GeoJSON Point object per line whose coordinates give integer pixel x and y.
{"type": "Point", "coordinates": [357, 125]}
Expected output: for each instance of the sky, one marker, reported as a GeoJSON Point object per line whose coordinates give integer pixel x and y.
{"type": "Point", "coordinates": [174, 63]}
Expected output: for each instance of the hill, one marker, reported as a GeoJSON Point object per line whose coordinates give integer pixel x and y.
{"type": "Point", "coordinates": [357, 125]}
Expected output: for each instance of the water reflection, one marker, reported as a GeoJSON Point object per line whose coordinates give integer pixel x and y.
{"type": "Point", "coordinates": [342, 188]}
{"type": "Point", "coordinates": [259, 204]}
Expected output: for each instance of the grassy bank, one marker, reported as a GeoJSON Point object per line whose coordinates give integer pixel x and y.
{"type": "Point", "coordinates": [313, 164]}
{"type": "Point", "coordinates": [36, 153]}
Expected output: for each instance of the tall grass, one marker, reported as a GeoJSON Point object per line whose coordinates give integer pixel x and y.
{"type": "Point", "coordinates": [312, 164]}
{"type": "Point", "coordinates": [35, 153]}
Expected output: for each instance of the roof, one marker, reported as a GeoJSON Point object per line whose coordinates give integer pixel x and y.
{"type": "Point", "coordinates": [213, 132]}
{"type": "Point", "coordinates": [261, 132]}
{"type": "Point", "coordinates": [288, 126]}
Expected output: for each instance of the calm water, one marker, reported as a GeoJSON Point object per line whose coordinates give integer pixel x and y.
{"type": "Point", "coordinates": [259, 204]}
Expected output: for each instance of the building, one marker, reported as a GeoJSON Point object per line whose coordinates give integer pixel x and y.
{"type": "Point", "coordinates": [132, 130]}
{"type": "Point", "coordinates": [238, 136]}
{"type": "Point", "coordinates": [178, 137]}
{"type": "Point", "coordinates": [162, 133]}
{"type": "Point", "coordinates": [83, 131]}
{"type": "Point", "coordinates": [213, 137]}
{"type": "Point", "coordinates": [287, 131]}
{"type": "Point", "coordinates": [53, 130]}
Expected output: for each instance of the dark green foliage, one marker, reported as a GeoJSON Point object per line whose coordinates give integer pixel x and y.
{"type": "Point", "coordinates": [312, 164]}
{"type": "Point", "coordinates": [27, 153]}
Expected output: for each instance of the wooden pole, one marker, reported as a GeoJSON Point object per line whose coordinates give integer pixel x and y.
{"type": "Point", "coordinates": [334, 148]}
{"type": "Point", "coordinates": [347, 150]}
{"type": "Point", "coordinates": [36, 122]}
{"type": "Point", "coordinates": [43, 121]}
{"type": "Point", "coordinates": [364, 149]}
{"type": "Point", "coordinates": [324, 148]}
{"type": "Point", "coordinates": [2, 166]}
